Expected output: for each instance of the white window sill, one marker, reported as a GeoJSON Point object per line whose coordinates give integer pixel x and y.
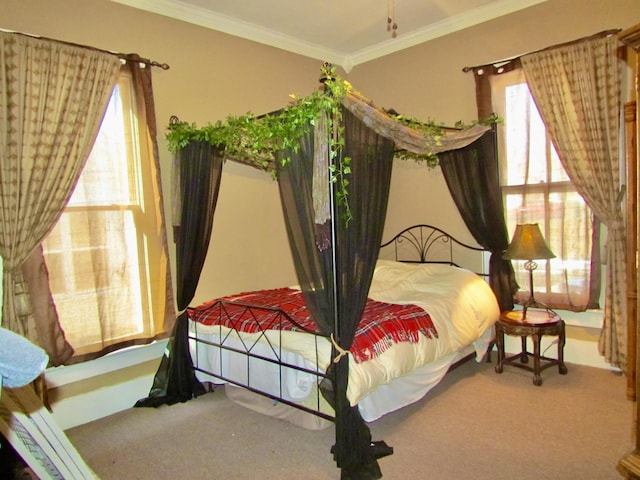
{"type": "Point", "coordinates": [66, 374]}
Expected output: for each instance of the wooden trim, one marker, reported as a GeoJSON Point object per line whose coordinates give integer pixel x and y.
{"type": "Point", "coordinates": [630, 116]}
{"type": "Point", "coordinates": [631, 37]}
{"type": "Point", "coordinates": [629, 465]}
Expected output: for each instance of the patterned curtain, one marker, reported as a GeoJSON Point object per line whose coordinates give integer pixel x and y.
{"type": "Point", "coordinates": [53, 98]}
{"type": "Point", "coordinates": [577, 90]}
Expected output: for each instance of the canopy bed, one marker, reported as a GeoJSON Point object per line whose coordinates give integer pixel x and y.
{"type": "Point", "coordinates": [424, 314]}
{"type": "Point", "coordinates": [332, 154]}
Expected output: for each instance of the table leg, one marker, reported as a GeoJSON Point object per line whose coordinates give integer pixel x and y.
{"type": "Point", "coordinates": [524, 358]}
{"type": "Point", "coordinates": [500, 348]}
{"type": "Point", "coordinates": [561, 341]}
{"type": "Point", "coordinates": [537, 378]}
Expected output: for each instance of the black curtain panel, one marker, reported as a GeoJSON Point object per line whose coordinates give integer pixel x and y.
{"type": "Point", "coordinates": [335, 277]}
{"type": "Point", "coordinates": [472, 176]}
{"type": "Point", "coordinates": [200, 166]}
{"type": "Point", "coordinates": [313, 265]}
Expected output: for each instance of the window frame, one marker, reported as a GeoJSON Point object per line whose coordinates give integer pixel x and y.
{"type": "Point", "coordinates": [144, 199]}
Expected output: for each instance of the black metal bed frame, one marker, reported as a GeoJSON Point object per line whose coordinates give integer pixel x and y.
{"type": "Point", "coordinates": [423, 239]}
{"type": "Point", "coordinates": [280, 318]}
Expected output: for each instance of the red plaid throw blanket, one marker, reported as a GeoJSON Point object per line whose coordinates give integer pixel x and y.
{"type": "Point", "coordinates": [382, 324]}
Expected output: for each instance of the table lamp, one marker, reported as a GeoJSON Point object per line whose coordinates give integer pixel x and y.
{"type": "Point", "coordinates": [528, 244]}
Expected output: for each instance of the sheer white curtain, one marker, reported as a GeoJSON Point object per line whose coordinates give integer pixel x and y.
{"type": "Point", "coordinates": [577, 90]}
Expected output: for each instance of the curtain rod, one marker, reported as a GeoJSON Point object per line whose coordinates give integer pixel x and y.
{"type": "Point", "coordinates": [122, 56]}
{"type": "Point", "coordinates": [604, 33]}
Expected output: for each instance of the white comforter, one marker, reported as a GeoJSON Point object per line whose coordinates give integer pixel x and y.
{"type": "Point", "coordinates": [463, 309]}
{"type": "Point", "coordinates": [461, 305]}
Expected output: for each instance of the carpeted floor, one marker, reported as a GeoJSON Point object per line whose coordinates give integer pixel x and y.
{"type": "Point", "coordinates": [475, 425]}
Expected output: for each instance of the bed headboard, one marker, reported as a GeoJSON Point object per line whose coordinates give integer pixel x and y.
{"type": "Point", "coordinates": [428, 244]}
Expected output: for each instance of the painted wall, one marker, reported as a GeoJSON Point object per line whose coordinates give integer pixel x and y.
{"type": "Point", "coordinates": [213, 75]}
{"type": "Point", "coordinates": [427, 82]}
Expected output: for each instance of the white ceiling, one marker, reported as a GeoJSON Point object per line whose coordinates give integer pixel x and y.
{"type": "Point", "coordinates": [343, 32]}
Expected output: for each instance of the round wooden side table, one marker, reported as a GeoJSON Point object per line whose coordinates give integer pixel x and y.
{"type": "Point", "coordinates": [536, 324]}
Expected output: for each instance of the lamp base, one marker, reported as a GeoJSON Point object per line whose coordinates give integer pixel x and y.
{"type": "Point", "coordinates": [530, 266]}
{"type": "Point", "coordinates": [533, 303]}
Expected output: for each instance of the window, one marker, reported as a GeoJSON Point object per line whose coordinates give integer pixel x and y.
{"type": "Point", "coordinates": [105, 255]}
{"type": "Point", "coordinates": [536, 189]}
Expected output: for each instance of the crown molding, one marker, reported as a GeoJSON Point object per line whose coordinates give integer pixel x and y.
{"type": "Point", "coordinates": [232, 26]}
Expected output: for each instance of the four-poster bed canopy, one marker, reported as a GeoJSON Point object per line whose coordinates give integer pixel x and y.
{"type": "Point", "coordinates": [332, 154]}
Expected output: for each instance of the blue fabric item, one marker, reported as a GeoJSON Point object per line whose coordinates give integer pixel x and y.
{"type": "Point", "coordinates": [20, 360]}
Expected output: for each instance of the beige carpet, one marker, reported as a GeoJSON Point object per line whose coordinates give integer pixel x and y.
{"type": "Point", "coordinates": [475, 425]}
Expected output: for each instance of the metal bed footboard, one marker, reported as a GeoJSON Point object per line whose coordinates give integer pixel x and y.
{"type": "Point", "coordinates": [276, 320]}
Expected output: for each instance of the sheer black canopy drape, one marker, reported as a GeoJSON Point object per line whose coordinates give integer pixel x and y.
{"type": "Point", "coordinates": [335, 278]}
{"type": "Point", "coordinates": [200, 170]}
{"type": "Point", "coordinates": [472, 176]}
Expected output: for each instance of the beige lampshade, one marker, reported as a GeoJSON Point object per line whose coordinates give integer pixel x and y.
{"type": "Point", "coordinates": [527, 244]}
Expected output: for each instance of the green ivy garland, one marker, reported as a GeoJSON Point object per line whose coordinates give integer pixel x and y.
{"type": "Point", "coordinates": [256, 139]}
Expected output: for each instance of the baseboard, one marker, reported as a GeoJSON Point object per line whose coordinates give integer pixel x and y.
{"type": "Point", "coordinates": [580, 348]}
